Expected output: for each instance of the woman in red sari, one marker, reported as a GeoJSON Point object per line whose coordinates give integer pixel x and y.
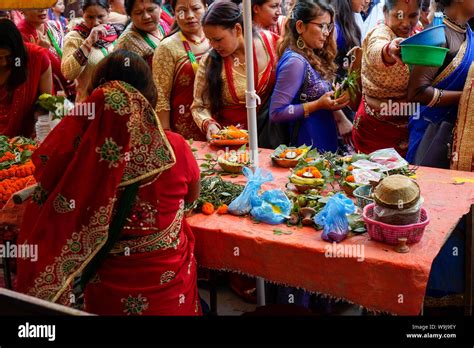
{"type": "Point", "coordinates": [25, 73]}
{"type": "Point", "coordinates": [36, 29]}
{"type": "Point", "coordinates": [88, 171]}
{"type": "Point", "coordinates": [219, 88]}
{"type": "Point", "coordinates": [174, 67]}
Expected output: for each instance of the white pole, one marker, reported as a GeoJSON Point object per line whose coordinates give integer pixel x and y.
{"type": "Point", "coordinates": [251, 103]}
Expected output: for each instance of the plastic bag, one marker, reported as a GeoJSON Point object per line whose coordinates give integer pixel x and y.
{"type": "Point", "coordinates": [272, 207]}
{"type": "Point", "coordinates": [242, 204]}
{"type": "Point", "coordinates": [333, 218]}
{"type": "Point", "coordinates": [389, 158]}
{"type": "Point", "coordinates": [364, 176]}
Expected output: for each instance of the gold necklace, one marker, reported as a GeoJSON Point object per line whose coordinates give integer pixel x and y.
{"type": "Point", "coordinates": [455, 26]}
{"type": "Point", "coordinates": [196, 42]}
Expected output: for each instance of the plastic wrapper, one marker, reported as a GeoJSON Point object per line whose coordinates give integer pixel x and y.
{"type": "Point", "coordinates": [389, 158]}
{"type": "Point", "coordinates": [333, 218]}
{"type": "Point", "coordinates": [365, 176]}
{"type": "Point", "coordinates": [400, 216]}
{"type": "Point", "coordinates": [272, 207]}
{"type": "Point", "coordinates": [368, 165]}
{"type": "Point", "coordinates": [243, 203]}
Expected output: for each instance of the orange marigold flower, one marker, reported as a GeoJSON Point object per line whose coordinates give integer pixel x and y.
{"type": "Point", "coordinates": [222, 209]}
{"type": "Point", "coordinates": [350, 178]}
{"type": "Point", "coordinates": [207, 208]}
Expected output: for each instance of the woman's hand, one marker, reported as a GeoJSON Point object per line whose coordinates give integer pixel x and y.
{"type": "Point", "coordinates": [211, 130]}
{"type": "Point", "coordinates": [326, 102]}
{"type": "Point", "coordinates": [344, 126]}
{"type": "Point", "coordinates": [393, 50]}
{"type": "Point", "coordinates": [95, 34]}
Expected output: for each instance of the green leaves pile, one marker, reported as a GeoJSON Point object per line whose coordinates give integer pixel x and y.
{"type": "Point", "coordinates": [216, 191]}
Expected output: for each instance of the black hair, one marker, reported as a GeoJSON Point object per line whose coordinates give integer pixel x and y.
{"type": "Point", "coordinates": [258, 3]}
{"type": "Point", "coordinates": [102, 3]}
{"type": "Point", "coordinates": [425, 5]}
{"type": "Point", "coordinates": [444, 3]}
{"type": "Point", "coordinates": [346, 20]}
{"type": "Point", "coordinates": [129, 67]}
{"type": "Point", "coordinates": [322, 60]}
{"type": "Point", "coordinates": [227, 15]}
{"type": "Point", "coordinates": [390, 4]}
{"type": "Point", "coordinates": [11, 39]}
{"type": "Point", "coordinates": [130, 3]}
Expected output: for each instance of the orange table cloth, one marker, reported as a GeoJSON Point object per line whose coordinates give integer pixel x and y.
{"type": "Point", "coordinates": [383, 281]}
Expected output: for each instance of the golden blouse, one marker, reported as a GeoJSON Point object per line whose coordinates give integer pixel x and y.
{"type": "Point", "coordinates": [381, 80]}
{"type": "Point", "coordinates": [132, 40]}
{"type": "Point", "coordinates": [167, 60]}
{"type": "Point", "coordinates": [201, 106]}
{"type": "Point", "coordinates": [75, 69]}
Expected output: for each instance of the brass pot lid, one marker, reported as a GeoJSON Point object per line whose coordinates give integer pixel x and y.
{"type": "Point", "coordinates": [397, 192]}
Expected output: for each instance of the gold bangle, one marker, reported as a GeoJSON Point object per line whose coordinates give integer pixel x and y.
{"type": "Point", "coordinates": [434, 99]}
{"type": "Point", "coordinates": [306, 110]}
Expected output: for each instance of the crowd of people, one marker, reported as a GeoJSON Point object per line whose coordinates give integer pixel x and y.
{"type": "Point", "coordinates": [161, 73]}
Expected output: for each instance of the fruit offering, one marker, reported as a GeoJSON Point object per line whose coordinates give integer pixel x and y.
{"type": "Point", "coordinates": [308, 176]}
{"type": "Point", "coordinates": [231, 135]}
{"type": "Point", "coordinates": [234, 162]}
{"type": "Point", "coordinates": [288, 157]}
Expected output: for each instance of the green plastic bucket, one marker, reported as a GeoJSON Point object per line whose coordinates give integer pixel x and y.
{"type": "Point", "coordinates": [423, 55]}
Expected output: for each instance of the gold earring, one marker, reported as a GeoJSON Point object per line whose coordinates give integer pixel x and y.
{"type": "Point", "coordinates": [300, 43]}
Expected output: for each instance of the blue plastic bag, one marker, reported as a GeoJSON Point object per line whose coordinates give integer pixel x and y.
{"type": "Point", "coordinates": [333, 218]}
{"type": "Point", "coordinates": [272, 207]}
{"type": "Point", "coordinates": [242, 204]}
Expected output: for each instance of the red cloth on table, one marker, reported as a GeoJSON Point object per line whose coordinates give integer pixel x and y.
{"type": "Point", "coordinates": [384, 281]}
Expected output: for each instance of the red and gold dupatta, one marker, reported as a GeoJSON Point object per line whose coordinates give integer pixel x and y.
{"type": "Point", "coordinates": [80, 167]}
{"type": "Point", "coordinates": [237, 113]}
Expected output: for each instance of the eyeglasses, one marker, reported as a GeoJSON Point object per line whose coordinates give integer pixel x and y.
{"type": "Point", "coordinates": [325, 27]}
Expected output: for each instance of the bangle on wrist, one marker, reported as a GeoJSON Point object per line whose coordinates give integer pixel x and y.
{"type": "Point", "coordinates": [387, 52]}
{"type": "Point", "coordinates": [439, 97]}
{"type": "Point", "coordinates": [435, 98]}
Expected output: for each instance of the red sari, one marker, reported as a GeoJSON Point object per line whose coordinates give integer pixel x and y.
{"type": "Point", "coordinates": [237, 113]}
{"type": "Point", "coordinates": [151, 270]}
{"type": "Point", "coordinates": [181, 120]}
{"type": "Point", "coordinates": [30, 35]}
{"type": "Point", "coordinates": [392, 131]}
{"type": "Point", "coordinates": [17, 107]}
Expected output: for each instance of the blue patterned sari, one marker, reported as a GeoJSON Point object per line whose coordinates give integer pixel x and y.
{"type": "Point", "coordinates": [452, 78]}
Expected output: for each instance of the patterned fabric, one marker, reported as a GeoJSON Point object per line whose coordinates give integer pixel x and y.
{"type": "Point", "coordinates": [234, 84]}
{"type": "Point", "coordinates": [81, 221]}
{"type": "Point", "coordinates": [297, 83]}
{"type": "Point", "coordinates": [463, 145]}
{"type": "Point", "coordinates": [174, 79]}
{"type": "Point", "coordinates": [132, 40]}
{"type": "Point", "coordinates": [154, 258]}
{"type": "Point", "coordinates": [380, 80]}
{"type": "Point", "coordinates": [451, 78]}
{"type": "Point", "coordinates": [113, 32]}
{"type": "Point", "coordinates": [78, 65]}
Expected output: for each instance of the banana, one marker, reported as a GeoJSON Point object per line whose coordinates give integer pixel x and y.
{"type": "Point", "coordinates": [295, 179]}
